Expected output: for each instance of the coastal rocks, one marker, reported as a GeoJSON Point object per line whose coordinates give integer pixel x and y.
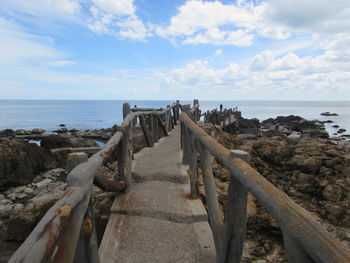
{"type": "Point", "coordinates": [327, 113]}
{"type": "Point", "coordinates": [38, 131]}
{"type": "Point", "coordinates": [60, 141]}
{"type": "Point", "coordinates": [7, 133]}
{"type": "Point", "coordinates": [55, 141]}
{"type": "Point", "coordinates": [341, 130]}
{"type": "Point", "coordinates": [21, 161]}
{"type": "Point", "coordinates": [61, 130]}
{"type": "Point", "coordinates": [289, 124]}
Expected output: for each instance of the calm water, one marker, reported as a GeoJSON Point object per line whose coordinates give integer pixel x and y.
{"type": "Point", "coordinates": [29, 114]}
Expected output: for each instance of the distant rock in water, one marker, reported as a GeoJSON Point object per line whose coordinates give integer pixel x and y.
{"type": "Point", "coordinates": [288, 124]}
{"type": "Point", "coordinates": [328, 114]}
{"type": "Point", "coordinates": [21, 161]}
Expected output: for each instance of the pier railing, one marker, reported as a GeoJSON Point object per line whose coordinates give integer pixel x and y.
{"type": "Point", "coordinates": [305, 239]}
{"type": "Point", "coordinates": [67, 233]}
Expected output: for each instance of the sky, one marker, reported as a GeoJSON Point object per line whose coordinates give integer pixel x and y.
{"type": "Point", "coordinates": [167, 50]}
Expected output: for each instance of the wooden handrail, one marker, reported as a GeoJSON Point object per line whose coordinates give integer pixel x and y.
{"type": "Point", "coordinates": [55, 237]}
{"type": "Point", "coordinates": [306, 240]}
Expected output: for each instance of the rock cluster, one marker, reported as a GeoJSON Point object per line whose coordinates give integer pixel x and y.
{"type": "Point", "coordinates": [314, 173]}
{"type": "Point", "coordinates": [20, 161]}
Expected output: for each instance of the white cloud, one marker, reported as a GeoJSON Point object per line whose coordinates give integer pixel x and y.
{"type": "Point", "coordinates": [116, 7]}
{"type": "Point", "coordinates": [316, 16]}
{"type": "Point", "coordinates": [117, 18]}
{"type": "Point", "coordinates": [19, 47]}
{"type": "Point", "coordinates": [195, 16]}
{"type": "Point", "coordinates": [266, 76]}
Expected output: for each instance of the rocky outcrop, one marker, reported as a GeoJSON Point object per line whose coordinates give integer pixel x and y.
{"type": "Point", "coordinates": [314, 173]}
{"type": "Point", "coordinates": [8, 133]}
{"type": "Point", "coordinates": [64, 141]}
{"type": "Point", "coordinates": [327, 113]}
{"type": "Point", "coordinates": [289, 124]}
{"type": "Point", "coordinates": [21, 161]}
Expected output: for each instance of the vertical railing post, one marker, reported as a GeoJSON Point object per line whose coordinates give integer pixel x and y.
{"type": "Point", "coordinates": [236, 215]}
{"type": "Point", "coordinates": [125, 155]}
{"type": "Point", "coordinates": [185, 137]}
{"type": "Point", "coordinates": [151, 128]}
{"type": "Point", "coordinates": [193, 171]}
{"type": "Point", "coordinates": [144, 130]}
{"type": "Point", "coordinates": [155, 126]}
{"type": "Point", "coordinates": [295, 253]}
{"type": "Point", "coordinates": [216, 222]}
{"type": "Point", "coordinates": [80, 247]}
{"type": "Point", "coordinates": [87, 247]}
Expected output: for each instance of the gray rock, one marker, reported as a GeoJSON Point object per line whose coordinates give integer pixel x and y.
{"type": "Point", "coordinates": [54, 173]}
{"type": "Point", "coordinates": [38, 131]}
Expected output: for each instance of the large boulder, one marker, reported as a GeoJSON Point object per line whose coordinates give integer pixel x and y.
{"type": "Point", "coordinates": [55, 141]}
{"type": "Point", "coordinates": [7, 133]}
{"type": "Point", "coordinates": [21, 161]}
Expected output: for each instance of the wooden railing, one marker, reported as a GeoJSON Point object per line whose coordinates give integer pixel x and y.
{"type": "Point", "coordinates": [305, 239]}
{"type": "Point", "coordinates": [67, 231]}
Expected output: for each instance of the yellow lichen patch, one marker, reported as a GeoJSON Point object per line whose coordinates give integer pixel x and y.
{"type": "Point", "coordinates": [207, 173]}
{"type": "Point", "coordinates": [64, 210]}
{"type": "Point", "coordinates": [189, 173]}
{"type": "Point", "coordinates": [86, 227]}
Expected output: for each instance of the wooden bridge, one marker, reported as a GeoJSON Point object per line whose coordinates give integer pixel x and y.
{"type": "Point", "coordinates": [157, 215]}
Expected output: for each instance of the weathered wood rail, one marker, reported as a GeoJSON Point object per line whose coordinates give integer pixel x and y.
{"type": "Point", "coordinates": [67, 233]}
{"type": "Point", "coordinates": [305, 239]}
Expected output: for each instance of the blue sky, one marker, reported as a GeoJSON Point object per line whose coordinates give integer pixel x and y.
{"type": "Point", "coordinates": [210, 50]}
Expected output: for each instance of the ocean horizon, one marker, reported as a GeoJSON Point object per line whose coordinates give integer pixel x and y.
{"type": "Point", "coordinates": [97, 114]}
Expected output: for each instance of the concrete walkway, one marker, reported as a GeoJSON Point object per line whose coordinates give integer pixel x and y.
{"type": "Point", "coordinates": [156, 221]}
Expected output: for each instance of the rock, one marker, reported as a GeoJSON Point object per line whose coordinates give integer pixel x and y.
{"type": "Point", "coordinates": [62, 125]}
{"type": "Point", "coordinates": [22, 132]}
{"type": "Point", "coordinates": [294, 137]}
{"type": "Point", "coordinates": [341, 131]}
{"type": "Point", "coordinates": [55, 173]}
{"type": "Point", "coordinates": [7, 133]}
{"type": "Point", "coordinates": [61, 130]}
{"type": "Point", "coordinates": [21, 221]}
{"type": "Point", "coordinates": [335, 126]}
{"type": "Point", "coordinates": [328, 121]}
{"type": "Point", "coordinates": [55, 141]}
{"type": "Point", "coordinates": [73, 130]}
{"type": "Point", "coordinates": [38, 131]}
{"type": "Point", "coordinates": [21, 161]}
{"type": "Point", "coordinates": [328, 114]}
{"type": "Point", "coordinates": [332, 192]}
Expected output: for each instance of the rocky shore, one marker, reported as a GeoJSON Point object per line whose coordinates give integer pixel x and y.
{"type": "Point", "coordinates": [296, 155]}
{"type": "Point", "coordinates": [32, 179]}
{"type": "Point", "coordinates": [299, 158]}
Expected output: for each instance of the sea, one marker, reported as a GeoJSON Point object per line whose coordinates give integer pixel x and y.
{"type": "Point", "coordinates": [97, 114]}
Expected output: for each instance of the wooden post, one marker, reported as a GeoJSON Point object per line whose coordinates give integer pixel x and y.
{"type": "Point", "coordinates": [185, 138]}
{"type": "Point", "coordinates": [151, 128]}
{"type": "Point", "coordinates": [162, 126]}
{"type": "Point", "coordinates": [125, 155]}
{"type": "Point", "coordinates": [87, 248]}
{"type": "Point", "coordinates": [193, 171]}
{"type": "Point", "coordinates": [236, 215]}
{"type": "Point", "coordinates": [216, 222]}
{"type": "Point", "coordinates": [144, 130]}
{"type": "Point", "coordinates": [295, 253]}
{"type": "Point", "coordinates": [126, 109]}
{"type": "Point", "coordinates": [155, 127]}
{"type": "Point", "coordinates": [73, 159]}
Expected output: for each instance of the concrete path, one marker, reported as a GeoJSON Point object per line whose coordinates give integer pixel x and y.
{"type": "Point", "coordinates": [156, 221]}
